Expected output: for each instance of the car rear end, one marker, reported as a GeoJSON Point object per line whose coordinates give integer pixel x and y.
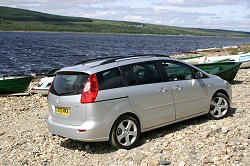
{"type": "Point", "coordinates": [71, 102]}
{"type": "Point", "coordinates": [85, 102]}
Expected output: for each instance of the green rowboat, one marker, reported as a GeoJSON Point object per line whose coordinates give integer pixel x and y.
{"type": "Point", "coordinates": [14, 84]}
{"type": "Point", "coordinates": [52, 72]}
{"type": "Point", "coordinates": [225, 70]}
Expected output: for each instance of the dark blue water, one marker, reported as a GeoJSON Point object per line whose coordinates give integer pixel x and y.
{"type": "Point", "coordinates": [28, 52]}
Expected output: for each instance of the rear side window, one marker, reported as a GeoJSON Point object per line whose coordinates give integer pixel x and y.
{"type": "Point", "coordinates": [68, 83]}
{"type": "Point", "coordinates": [142, 73]}
{"type": "Point", "coordinates": [109, 79]}
{"type": "Point", "coordinates": [128, 75]}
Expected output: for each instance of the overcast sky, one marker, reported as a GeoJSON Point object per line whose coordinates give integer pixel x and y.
{"type": "Point", "coordinates": [215, 14]}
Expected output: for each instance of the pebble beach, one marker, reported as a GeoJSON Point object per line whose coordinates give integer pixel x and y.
{"type": "Point", "coordinates": [25, 140]}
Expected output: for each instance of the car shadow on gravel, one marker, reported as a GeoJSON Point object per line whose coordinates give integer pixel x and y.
{"type": "Point", "coordinates": [88, 147]}
{"type": "Point", "coordinates": [104, 147]}
{"type": "Point", "coordinates": [161, 132]}
{"type": "Point", "coordinates": [236, 82]}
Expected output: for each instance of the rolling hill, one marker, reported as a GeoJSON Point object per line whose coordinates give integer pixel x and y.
{"type": "Point", "coordinates": [13, 19]}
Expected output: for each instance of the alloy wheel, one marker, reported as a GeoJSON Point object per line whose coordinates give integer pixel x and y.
{"type": "Point", "coordinates": [126, 132]}
{"type": "Point", "coordinates": [219, 107]}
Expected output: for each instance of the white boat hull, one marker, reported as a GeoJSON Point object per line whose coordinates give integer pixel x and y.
{"type": "Point", "coordinates": [245, 64]}
{"type": "Point", "coordinates": [43, 86]}
{"type": "Point", "coordinates": [42, 91]}
{"type": "Point", "coordinates": [197, 60]}
{"type": "Point", "coordinates": [244, 58]}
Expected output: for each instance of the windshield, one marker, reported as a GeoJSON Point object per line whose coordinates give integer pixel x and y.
{"type": "Point", "coordinates": [68, 83]}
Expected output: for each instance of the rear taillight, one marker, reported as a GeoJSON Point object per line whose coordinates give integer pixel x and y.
{"type": "Point", "coordinates": [90, 90]}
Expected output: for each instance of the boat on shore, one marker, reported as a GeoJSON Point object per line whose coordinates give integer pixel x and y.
{"type": "Point", "coordinates": [225, 70]}
{"type": "Point", "coordinates": [194, 59]}
{"type": "Point", "coordinates": [14, 84]}
{"type": "Point", "coordinates": [207, 49]}
{"type": "Point", "coordinates": [244, 58]}
{"type": "Point", "coordinates": [204, 59]}
{"type": "Point", "coordinates": [43, 86]}
{"type": "Point", "coordinates": [52, 72]}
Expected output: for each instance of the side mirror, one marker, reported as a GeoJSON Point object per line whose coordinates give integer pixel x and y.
{"type": "Point", "coordinates": [198, 75]}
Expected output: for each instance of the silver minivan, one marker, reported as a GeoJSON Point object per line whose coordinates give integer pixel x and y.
{"type": "Point", "coordinates": [116, 98]}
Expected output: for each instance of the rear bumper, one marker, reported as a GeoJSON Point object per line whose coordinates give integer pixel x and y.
{"type": "Point", "coordinates": [94, 132]}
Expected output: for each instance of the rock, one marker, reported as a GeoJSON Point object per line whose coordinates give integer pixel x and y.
{"type": "Point", "coordinates": [225, 157]}
{"type": "Point", "coordinates": [122, 151]}
{"type": "Point", "coordinates": [205, 134]}
{"type": "Point", "coordinates": [159, 135]}
{"type": "Point", "coordinates": [154, 162]}
{"type": "Point", "coordinates": [234, 142]}
{"type": "Point", "coordinates": [224, 130]}
{"type": "Point", "coordinates": [2, 133]}
{"type": "Point", "coordinates": [87, 147]}
{"type": "Point", "coordinates": [215, 159]}
{"type": "Point", "coordinates": [138, 157]}
{"type": "Point", "coordinates": [181, 163]}
{"type": "Point", "coordinates": [158, 155]}
{"type": "Point", "coordinates": [248, 136]}
{"type": "Point", "coordinates": [25, 162]}
{"type": "Point", "coordinates": [213, 126]}
{"type": "Point", "coordinates": [241, 148]}
{"type": "Point", "coordinates": [207, 161]}
{"type": "Point", "coordinates": [158, 151]}
{"type": "Point", "coordinates": [164, 162]}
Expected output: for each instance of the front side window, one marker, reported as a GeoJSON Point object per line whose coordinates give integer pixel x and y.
{"type": "Point", "coordinates": [176, 71]}
{"type": "Point", "coordinates": [109, 79]}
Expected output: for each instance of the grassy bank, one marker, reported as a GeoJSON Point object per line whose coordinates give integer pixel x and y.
{"type": "Point", "coordinates": [12, 19]}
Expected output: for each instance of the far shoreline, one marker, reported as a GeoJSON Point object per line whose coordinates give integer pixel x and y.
{"type": "Point", "coordinates": [132, 34]}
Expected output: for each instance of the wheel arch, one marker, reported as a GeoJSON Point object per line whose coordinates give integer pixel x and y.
{"type": "Point", "coordinates": [129, 114]}
{"type": "Point", "coordinates": [223, 92]}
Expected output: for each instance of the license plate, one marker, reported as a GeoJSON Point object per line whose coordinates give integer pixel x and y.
{"type": "Point", "coordinates": [63, 111]}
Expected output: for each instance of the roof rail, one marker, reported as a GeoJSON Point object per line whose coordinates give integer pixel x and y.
{"type": "Point", "coordinates": [98, 58]}
{"type": "Point", "coordinates": [151, 54]}
{"type": "Point", "coordinates": [111, 59]}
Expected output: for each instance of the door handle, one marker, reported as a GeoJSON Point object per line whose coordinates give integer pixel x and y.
{"type": "Point", "coordinates": [162, 90]}
{"type": "Point", "coordinates": [177, 87]}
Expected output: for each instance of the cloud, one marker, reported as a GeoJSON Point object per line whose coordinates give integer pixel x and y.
{"type": "Point", "coordinates": [58, 2]}
{"type": "Point", "coordinates": [202, 3]}
{"type": "Point", "coordinates": [247, 16]}
{"type": "Point", "coordinates": [240, 25]}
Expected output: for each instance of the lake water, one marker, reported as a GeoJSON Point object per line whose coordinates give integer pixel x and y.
{"type": "Point", "coordinates": [30, 52]}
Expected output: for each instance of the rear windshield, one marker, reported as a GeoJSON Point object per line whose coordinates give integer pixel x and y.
{"type": "Point", "coordinates": [68, 83]}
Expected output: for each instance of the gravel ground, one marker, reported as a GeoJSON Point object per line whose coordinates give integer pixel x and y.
{"type": "Point", "coordinates": [24, 138]}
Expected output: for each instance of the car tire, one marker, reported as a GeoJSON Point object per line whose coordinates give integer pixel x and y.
{"type": "Point", "coordinates": [219, 106]}
{"type": "Point", "coordinates": [125, 132]}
